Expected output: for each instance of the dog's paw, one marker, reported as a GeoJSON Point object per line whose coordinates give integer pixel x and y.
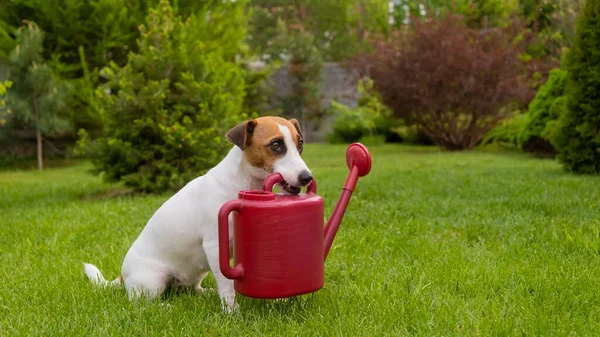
{"type": "Point", "coordinates": [230, 308]}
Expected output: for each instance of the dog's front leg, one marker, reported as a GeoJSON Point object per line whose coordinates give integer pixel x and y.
{"type": "Point", "coordinates": [224, 285]}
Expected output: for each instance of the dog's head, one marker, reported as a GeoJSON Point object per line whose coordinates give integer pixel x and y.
{"type": "Point", "coordinates": [273, 145]}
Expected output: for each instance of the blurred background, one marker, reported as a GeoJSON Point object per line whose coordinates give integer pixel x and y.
{"type": "Point", "coordinates": [146, 89]}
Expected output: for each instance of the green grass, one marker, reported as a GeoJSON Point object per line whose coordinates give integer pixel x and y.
{"type": "Point", "coordinates": [433, 244]}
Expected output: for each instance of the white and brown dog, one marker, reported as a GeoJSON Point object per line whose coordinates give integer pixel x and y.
{"type": "Point", "coordinates": [179, 245]}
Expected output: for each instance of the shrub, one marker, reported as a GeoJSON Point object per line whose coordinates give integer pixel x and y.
{"type": "Point", "coordinates": [451, 80]}
{"type": "Point", "coordinates": [545, 108]}
{"type": "Point", "coordinates": [412, 134]}
{"type": "Point", "coordinates": [578, 129]}
{"type": "Point", "coordinates": [167, 109]}
{"type": "Point", "coordinates": [370, 118]}
{"type": "Point", "coordinates": [506, 134]}
{"type": "Point", "coordinates": [350, 124]}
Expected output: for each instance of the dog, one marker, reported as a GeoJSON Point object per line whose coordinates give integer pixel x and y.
{"type": "Point", "coordinates": [179, 244]}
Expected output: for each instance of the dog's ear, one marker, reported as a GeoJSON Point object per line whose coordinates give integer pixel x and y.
{"type": "Point", "coordinates": [295, 123]}
{"type": "Point", "coordinates": [241, 134]}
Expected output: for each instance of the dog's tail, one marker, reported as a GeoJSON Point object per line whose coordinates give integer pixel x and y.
{"type": "Point", "coordinates": [94, 274]}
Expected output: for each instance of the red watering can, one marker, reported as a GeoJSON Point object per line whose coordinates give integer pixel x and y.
{"type": "Point", "coordinates": [279, 243]}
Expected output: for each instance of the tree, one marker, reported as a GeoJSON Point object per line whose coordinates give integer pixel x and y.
{"type": "Point", "coordinates": [165, 112]}
{"type": "Point", "coordinates": [453, 81]}
{"type": "Point", "coordinates": [578, 130]}
{"type": "Point", "coordinates": [38, 96]}
{"type": "Point", "coordinates": [81, 37]}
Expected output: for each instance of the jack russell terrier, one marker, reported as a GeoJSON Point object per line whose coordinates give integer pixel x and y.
{"type": "Point", "coordinates": [179, 245]}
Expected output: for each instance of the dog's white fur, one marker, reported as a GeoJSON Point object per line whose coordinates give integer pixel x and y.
{"type": "Point", "coordinates": [179, 244]}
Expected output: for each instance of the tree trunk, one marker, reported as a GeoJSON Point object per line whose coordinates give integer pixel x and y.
{"type": "Point", "coordinates": [360, 32]}
{"type": "Point", "coordinates": [38, 134]}
{"type": "Point", "coordinates": [39, 150]}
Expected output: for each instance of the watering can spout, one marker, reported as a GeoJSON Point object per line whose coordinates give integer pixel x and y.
{"type": "Point", "coordinates": [358, 160]}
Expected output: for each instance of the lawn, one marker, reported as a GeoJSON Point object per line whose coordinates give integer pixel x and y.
{"type": "Point", "coordinates": [433, 244]}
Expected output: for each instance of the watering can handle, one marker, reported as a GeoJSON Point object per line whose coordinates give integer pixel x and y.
{"type": "Point", "coordinates": [224, 257]}
{"type": "Point", "coordinates": [275, 178]}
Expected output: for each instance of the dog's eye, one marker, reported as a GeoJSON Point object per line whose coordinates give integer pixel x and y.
{"type": "Point", "coordinates": [300, 145]}
{"type": "Point", "coordinates": [276, 145]}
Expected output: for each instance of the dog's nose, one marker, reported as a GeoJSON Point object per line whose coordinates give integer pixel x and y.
{"type": "Point", "coordinates": [305, 178]}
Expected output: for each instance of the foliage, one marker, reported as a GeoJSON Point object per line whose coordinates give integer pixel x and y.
{"type": "Point", "coordinates": [555, 22]}
{"type": "Point", "coordinates": [166, 110]}
{"type": "Point", "coordinates": [350, 124]}
{"type": "Point", "coordinates": [84, 36]}
{"type": "Point", "coordinates": [81, 37]}
{"type": "Point", "coordinates": [4, 111]}
{"type": "Point", "coordinates": [259, 91]}
{"type": "Point", "coordinates": [279, 30]}
{"type": "Point", "coordinates": [37, 98]}
{"type": "Point", "coordinates": [104, 28]}
{"type": "Point", "coordinates": [551, 20]}
{"type": "Point", "coordinates": [409, 134]}
{"type": "Point", "coordinates": [482, 13]}
{"type": "Point", "coordinates": [546, 107]}
{"type": "Point", "coordinates": [507, 133]}
{"type": "Point", "coordinates": [370, 117]}
{"type": "Point", "coordinates": [107, 29]}
{"type": "Point", "coordinates": [7, 43]}
{"type": "Point", "coordinates": [476, 13]}
{"type": "Point", "coordinates": [453, 81]}
{"type": "Point", "coordinates": [578, 129]}
{"type": "Point", "coordinates": [305, 67]}
{"type": "Point", "coordinates": [305, 34]}
{"type": "Point", "coordinates": [338, 27]}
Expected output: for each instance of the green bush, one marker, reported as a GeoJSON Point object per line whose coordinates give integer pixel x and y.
{"type": "Point", "coordinates": [545, 108]}
{"type": "Point", "coordinates": [350, 124]}
{"type": "Point", "coordinates": [411, 134]}
{"type": "Point", "coordinates": [506, 134]}
{"type": "Point", "coordinates": [371, 117]}
{"type": "Point", "coordinates": [558, 108]}
{"type": "Point", "coordinates": [166, 111]}
{"type": "Point", "coordinates": [578, 129]}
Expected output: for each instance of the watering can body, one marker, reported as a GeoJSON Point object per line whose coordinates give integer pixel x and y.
{"type": "Point", "coordinates": [279, 241]}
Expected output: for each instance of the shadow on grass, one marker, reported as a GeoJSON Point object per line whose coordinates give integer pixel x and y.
{"type": "Point", "coordinates": [280, 307]}
{"type": "Point", "coordinates": [248, 307]}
